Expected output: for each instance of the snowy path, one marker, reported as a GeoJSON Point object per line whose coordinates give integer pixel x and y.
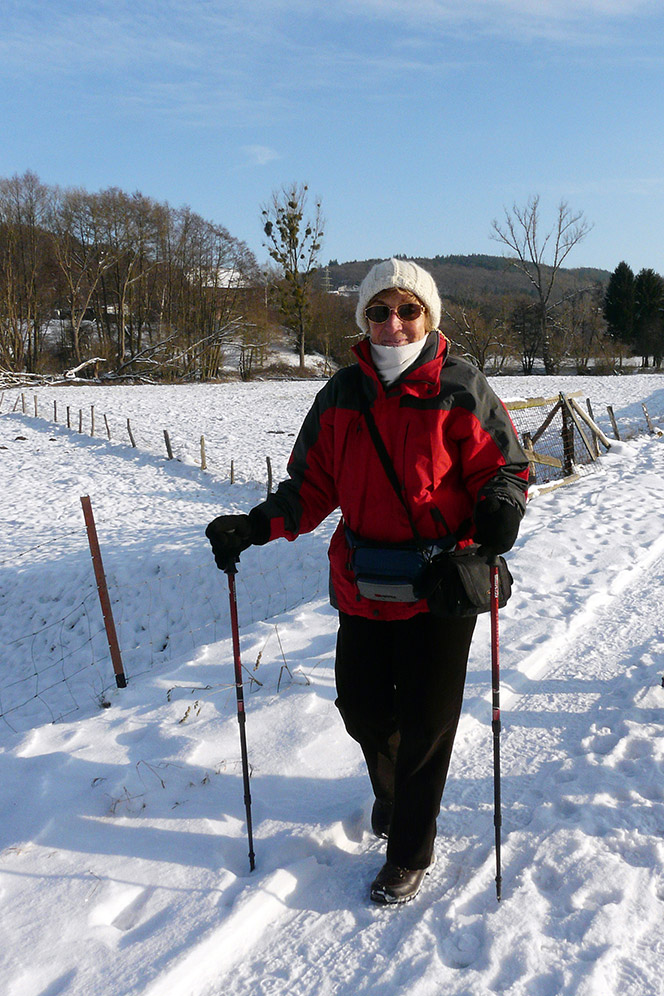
{"type": "Point", "coordinates": [577, 865]}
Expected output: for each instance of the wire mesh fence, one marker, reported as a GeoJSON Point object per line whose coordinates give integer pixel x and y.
{"type": "Point", "coordinates": [561, 447]}
{"type": "Point", "coordinates": [54, 669]}
{"type": "Point", "coordinates": [58, 667]}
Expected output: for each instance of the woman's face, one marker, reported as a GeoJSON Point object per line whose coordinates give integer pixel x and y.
{"type": "Point", "coordinates": [396, 331]}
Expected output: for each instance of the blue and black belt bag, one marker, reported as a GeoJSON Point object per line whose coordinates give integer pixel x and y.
{"type": "Point", "coordinates": [453, 582]}
{"type": "Point", "coordinates": [391, 573]}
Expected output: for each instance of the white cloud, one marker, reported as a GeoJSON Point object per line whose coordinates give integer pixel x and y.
{"type": "Point", "coordinates": [260, 155]}
{"type": "Point", "coordinates": [580, 21]}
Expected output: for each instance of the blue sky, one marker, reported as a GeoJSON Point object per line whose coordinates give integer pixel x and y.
{"type": "Point", "coordinates": [416, 122]}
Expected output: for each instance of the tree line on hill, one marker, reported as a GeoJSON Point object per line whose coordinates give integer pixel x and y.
{"type": "Point", "coordinates": [130, 287]}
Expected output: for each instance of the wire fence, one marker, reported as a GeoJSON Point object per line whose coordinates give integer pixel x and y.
{"type": "Point", "coordinates": [561, 448]}
{"type": "Point", "coordinates": [58, 667]}
{"type": "Point", "coordinates": [55, 668]}
{"type": "Point", "coordinates": [185, 610]}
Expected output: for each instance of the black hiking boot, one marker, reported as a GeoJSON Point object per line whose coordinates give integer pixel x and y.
{"type": "Point", "coordinates": [381, 817]}
{"type": "Point", "coordinates": [397, 885]}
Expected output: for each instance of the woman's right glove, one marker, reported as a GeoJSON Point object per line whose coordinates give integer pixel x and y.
{"type": "Point", "coordinates": [497, 523]}
{"type": "Point", "coordinates": [229, 535]}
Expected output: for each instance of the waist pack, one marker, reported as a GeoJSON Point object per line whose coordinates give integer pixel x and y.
{"type": "Point", "coordinates": [458, 583]}
{"type": "Point", "coordinates": [389, 573]}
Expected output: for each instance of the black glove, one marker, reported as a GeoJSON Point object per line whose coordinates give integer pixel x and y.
{"type": "Point", "coordinates": [497, 523]}
{"type": "Point", "coordinates": [229, 535]}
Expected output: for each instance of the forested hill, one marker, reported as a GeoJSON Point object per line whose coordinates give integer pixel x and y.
{"type": "Point", "coordinates": [466, 277]}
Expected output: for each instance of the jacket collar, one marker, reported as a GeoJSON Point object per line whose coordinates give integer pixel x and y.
{"type": "Point", "coordinates": [421, 378]}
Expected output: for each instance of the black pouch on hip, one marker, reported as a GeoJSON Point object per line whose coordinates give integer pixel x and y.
{"type": "Point", "coordinates": [458, 583]}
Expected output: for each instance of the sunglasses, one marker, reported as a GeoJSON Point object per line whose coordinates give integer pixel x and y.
{"type": "Point", "coordinates": [410, 311]}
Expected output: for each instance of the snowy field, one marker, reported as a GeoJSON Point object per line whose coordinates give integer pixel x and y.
{"type": "Point", "coordinates": [123, 850]}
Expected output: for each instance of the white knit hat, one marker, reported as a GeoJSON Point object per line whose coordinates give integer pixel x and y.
{"type": "Point", "coordinates": [404, 275]}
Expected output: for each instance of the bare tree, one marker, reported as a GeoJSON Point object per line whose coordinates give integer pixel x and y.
{"type": "Point", "coordinates": [478, 332]}
{"type": "Point", "coordinates": [83, 256]}
{"type": "Point", "coordinates": [129, 227]}
{"type": "Point", "coordinates": [540, 257]}
{"type": "Point", "coordinates": [26, 271]}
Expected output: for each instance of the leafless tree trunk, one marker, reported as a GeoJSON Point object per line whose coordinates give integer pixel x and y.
{"type": "Point", "coordinates": [81, 253]}
{"type": "Point", "coordinates": [539, 256]}
{"type": "Point", "coordinates": [26, 284]}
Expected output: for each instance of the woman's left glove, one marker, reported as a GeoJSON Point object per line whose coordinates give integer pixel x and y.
{"type": "Point", "coordinates": [497, 523]}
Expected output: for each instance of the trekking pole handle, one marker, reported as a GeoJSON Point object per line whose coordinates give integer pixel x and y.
{"type": "Point", "coordinates": [230, 565]}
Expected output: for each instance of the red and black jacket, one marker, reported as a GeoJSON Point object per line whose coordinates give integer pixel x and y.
{"type": "Point", "coordinates": [451, 442]}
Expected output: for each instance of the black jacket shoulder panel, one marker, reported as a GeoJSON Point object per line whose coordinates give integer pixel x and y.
{"type": "Point", "coordinates": [346, 388]}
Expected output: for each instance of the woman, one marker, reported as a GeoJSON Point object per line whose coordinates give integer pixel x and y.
{"type": "Point", "coordinates": [461, 477]}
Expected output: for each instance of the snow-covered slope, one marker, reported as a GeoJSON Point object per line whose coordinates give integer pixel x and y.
{"type": "Point", "coordinates": [123, 850]}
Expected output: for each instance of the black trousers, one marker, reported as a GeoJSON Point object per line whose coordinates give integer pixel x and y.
{"type": "Point", "coordinates": [400, 689]}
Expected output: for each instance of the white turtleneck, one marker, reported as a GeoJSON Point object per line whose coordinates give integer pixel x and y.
{"type": "Point", "coordinates": [391, 361]}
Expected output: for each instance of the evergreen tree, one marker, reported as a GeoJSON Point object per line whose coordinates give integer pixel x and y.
{"type": "Point", "coordinates": [619, 304]}
{"type": "Point", "coordinates": [648, 315]}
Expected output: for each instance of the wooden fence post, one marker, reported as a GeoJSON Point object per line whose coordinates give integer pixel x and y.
{"type": "Point", "coordinates": [592, 419]}
{"type": "Point", "coordinates": [68, 418]}
{"type": "Point", "coordinates": [574, 410]}
{"type": "Point", "coordinates": [609, 409]}
{"type": "Point", "coordinates": [232, 472]}
{"type": "Point", "coordinates": [649, 423]}
{"type": "Point", "coordinates": [36, 407]}
{"type": "Point", "coordinates": [55, 411]}
{"type": "Point", "coordinates": [597, 433]}
{"type": "Point", "coordinates": [567, 434]}
{"type": "Point", "coordinates": [131, 434]}
{"type": "Point", "coordinates": [203, 457]}
{"type": "Point", "coordinates": [167, 440]}
{"type": "Point", "coordinates": [105, 602]}
{"type": "Point", "coordinates": [92, 420]}
{"type": "Point", "coordinates": [108, 431]}
{"type": "Point", "coordinates": [269, 476]}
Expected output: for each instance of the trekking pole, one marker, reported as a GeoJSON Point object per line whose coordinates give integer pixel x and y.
{"type": "Point", "coordinates": [495, 722]}
{"type": "Point", "coordinates": [231, 570]}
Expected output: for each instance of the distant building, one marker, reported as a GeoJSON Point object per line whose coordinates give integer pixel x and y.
{"type": "Point", "coordinates": [347, 290]}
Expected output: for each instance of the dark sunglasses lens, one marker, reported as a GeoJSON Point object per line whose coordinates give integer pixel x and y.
{"type": "Point", "coordinates": [378, 313]}
{"type": "Point", "coordinates": [409, 312]}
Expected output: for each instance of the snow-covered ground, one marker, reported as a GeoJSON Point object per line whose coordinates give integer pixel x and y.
{"type": "Point", "coordinates": [123, 850]}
